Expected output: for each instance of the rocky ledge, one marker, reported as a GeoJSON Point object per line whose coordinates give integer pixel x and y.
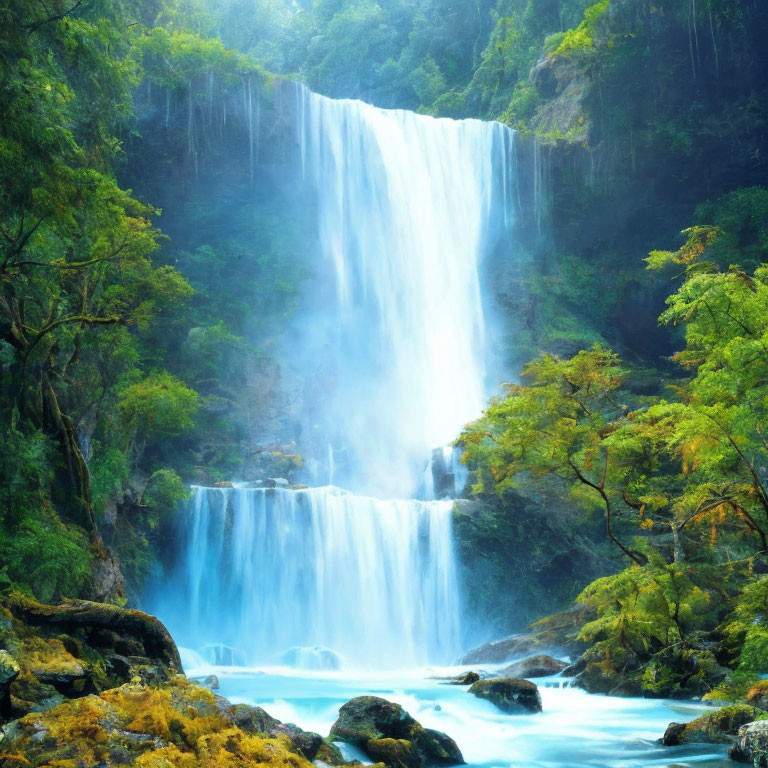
{"type": "Point", "coordinates": [52, 653]}
{"type": "Point", "coordinates": [176, 724]}
{"type": "Point", "coordinates": [86, 684]}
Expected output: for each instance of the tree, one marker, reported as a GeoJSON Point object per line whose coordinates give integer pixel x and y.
{"type": "Point", "coordinates": [558, 423]}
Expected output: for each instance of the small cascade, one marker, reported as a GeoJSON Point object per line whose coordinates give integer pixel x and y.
{"type": "Point", "coordinates": [316, 578]}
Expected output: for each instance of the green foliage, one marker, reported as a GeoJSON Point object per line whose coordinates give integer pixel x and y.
{"type": "Point", "coordinates": [173, 59]}
{"type": "Point", "coordinates": [581, 38]}
{"type": "Point", "coordinates": [163, 494]}
{"type": "Point", "coordinates": [650, 609]}
{"type": "Point", "coordinates": [109, 475]}
{"type": "Point", "coordinates": [51, 558]}
{"type": "Point", "coordinates": [159, 406]}
{"type": "Point", "coordinates": [745, 630]}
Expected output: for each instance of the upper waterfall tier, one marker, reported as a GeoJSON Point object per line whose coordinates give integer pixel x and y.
{"type": "Point", "coordinates": [314, 577]}
{"type": "Point", "coordinates": [408, 206]}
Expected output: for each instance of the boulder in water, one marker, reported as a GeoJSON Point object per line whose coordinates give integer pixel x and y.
{"type": "Point", "coordinates": [541, 665]}
{"type": "Point", "coordinates": [468, 678]}
{"type": "Point", "coordinates": [255, 720]}
{"type": "Point", "coordinates": [387, 733]}
{"type": "Point", "coordinates": [511, 695]}
{"type": "Point", "coordinates": [719, 727]}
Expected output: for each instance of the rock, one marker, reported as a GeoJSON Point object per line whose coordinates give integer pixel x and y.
{"type": "Point", "coordinates": [556, 634]}
{"type": "Point", "coordinates": [211, 682]}
{"type": "Point", "coordinates": [75, 649]}
{"type": "Point", "coordinates": [386, 733]}
{"type": "Point", "coordinates": [9, 671]}
{"type": "Point", "coordinates": [78, 614]}
{"type": "Point", "coordinates": [534, 666]}
{"type": "Point", "coordinates": [395, 753]}
{"type": "Point", "coordinates": [175, 724]}
{"type": "Point", "coordinates": [719, 727]}
{"type": "Point", "coordinates": [499, 651]}
{"type": "Point", "coordinates": [618, 672]}
{"type": "Point", "coordinates": [466, 679]}
{"type": "Point", "coordinates": [255, 720]}
{"type": "Point", "coordinates": [758, 695]}
{"type": "Point", "coordinates": [576, 668]}
{"type": "Point", "coordinates": [107, 577]}
{"type": "Point", "coordinates": [751, 744]}
{"type": "Point", "coordinates": [510, 695]}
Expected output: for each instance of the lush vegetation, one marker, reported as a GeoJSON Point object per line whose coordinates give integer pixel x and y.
{"type": "Point", "coordinates": [138, 352]}
{"type": "Point", "coordinates": [676, 475]}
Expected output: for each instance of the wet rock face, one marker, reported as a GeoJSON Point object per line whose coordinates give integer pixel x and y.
{"type": "Point", "coordinates": [719, 727]}
{"type": "Point", "coordinates": [534, 666]}
{"type": "Point", "coordinates": [751, 744]}
{"type": "Point", "coordinates": [74, 650]}
{"type": "Point", "coordinates": [388, 734]}
{"type": "Point", "coordinates": [510, 695]}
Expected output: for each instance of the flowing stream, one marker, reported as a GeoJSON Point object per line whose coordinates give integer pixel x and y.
{"type": "Point", "coordinates": [300, 598]}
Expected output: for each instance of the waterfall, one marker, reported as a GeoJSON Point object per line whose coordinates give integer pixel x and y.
{"type": "Point", "coordinates": [316, 574]}
{"type": "Point", "coordinates": [392, 355]}
{"type": "Point", "coordinates": [408, 207]}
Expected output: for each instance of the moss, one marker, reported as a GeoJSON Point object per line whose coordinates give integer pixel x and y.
{"type": "Point", "coordinates": [715, 728]}
{"type": "Point", "coordinates": [396, 753]}
{"type": "Point", "coordinates": [177, 725]}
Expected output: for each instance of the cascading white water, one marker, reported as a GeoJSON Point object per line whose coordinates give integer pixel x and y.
{"type": "Point", "coordinates": [271, 571]}
{"type": "Point", "coordinates": [408, 207]}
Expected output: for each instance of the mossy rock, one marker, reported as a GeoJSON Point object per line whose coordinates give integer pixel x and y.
{"type": "Point", "coordinates": [751, 744]}
{"type": "Point", "coordinates": [757, 696]}
{"type": "Point", "coordinates": [510, 694]}
{"type": "Point", "coordinates": [255, 720]}
{"type": "Point", "coordinates": [76, 649]}
{"type": "Point", "coordinates": [719, 727]}
{"type": "Point", "coordinates": [381, 729]}
{"type": "Point", "coordinates": [176, 725]}
{"type": "Point", "coordinates": [396, 753]}
{"type": "Point", "coordinates": [540, 665]}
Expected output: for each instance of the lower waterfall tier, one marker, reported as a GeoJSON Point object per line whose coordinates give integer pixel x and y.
{"type": "Point", "coordinates": [314, 578]}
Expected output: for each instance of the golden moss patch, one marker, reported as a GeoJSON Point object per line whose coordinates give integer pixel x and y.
{"type": "Point", "coordinates": [176, 726]}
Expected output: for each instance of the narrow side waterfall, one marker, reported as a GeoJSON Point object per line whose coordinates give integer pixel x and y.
{"type": "Point", "coordinates": [391, 354]}
{"type": "Point", "coordinates": [408, 206]}
{"type": "Point", "coordinates": [317, 578]}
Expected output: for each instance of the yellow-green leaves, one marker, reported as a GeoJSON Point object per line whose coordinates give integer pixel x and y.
{"type": "Point", "coordinates": [160, 405]}
{"type": "Point", "coordinates": [582, 38]}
